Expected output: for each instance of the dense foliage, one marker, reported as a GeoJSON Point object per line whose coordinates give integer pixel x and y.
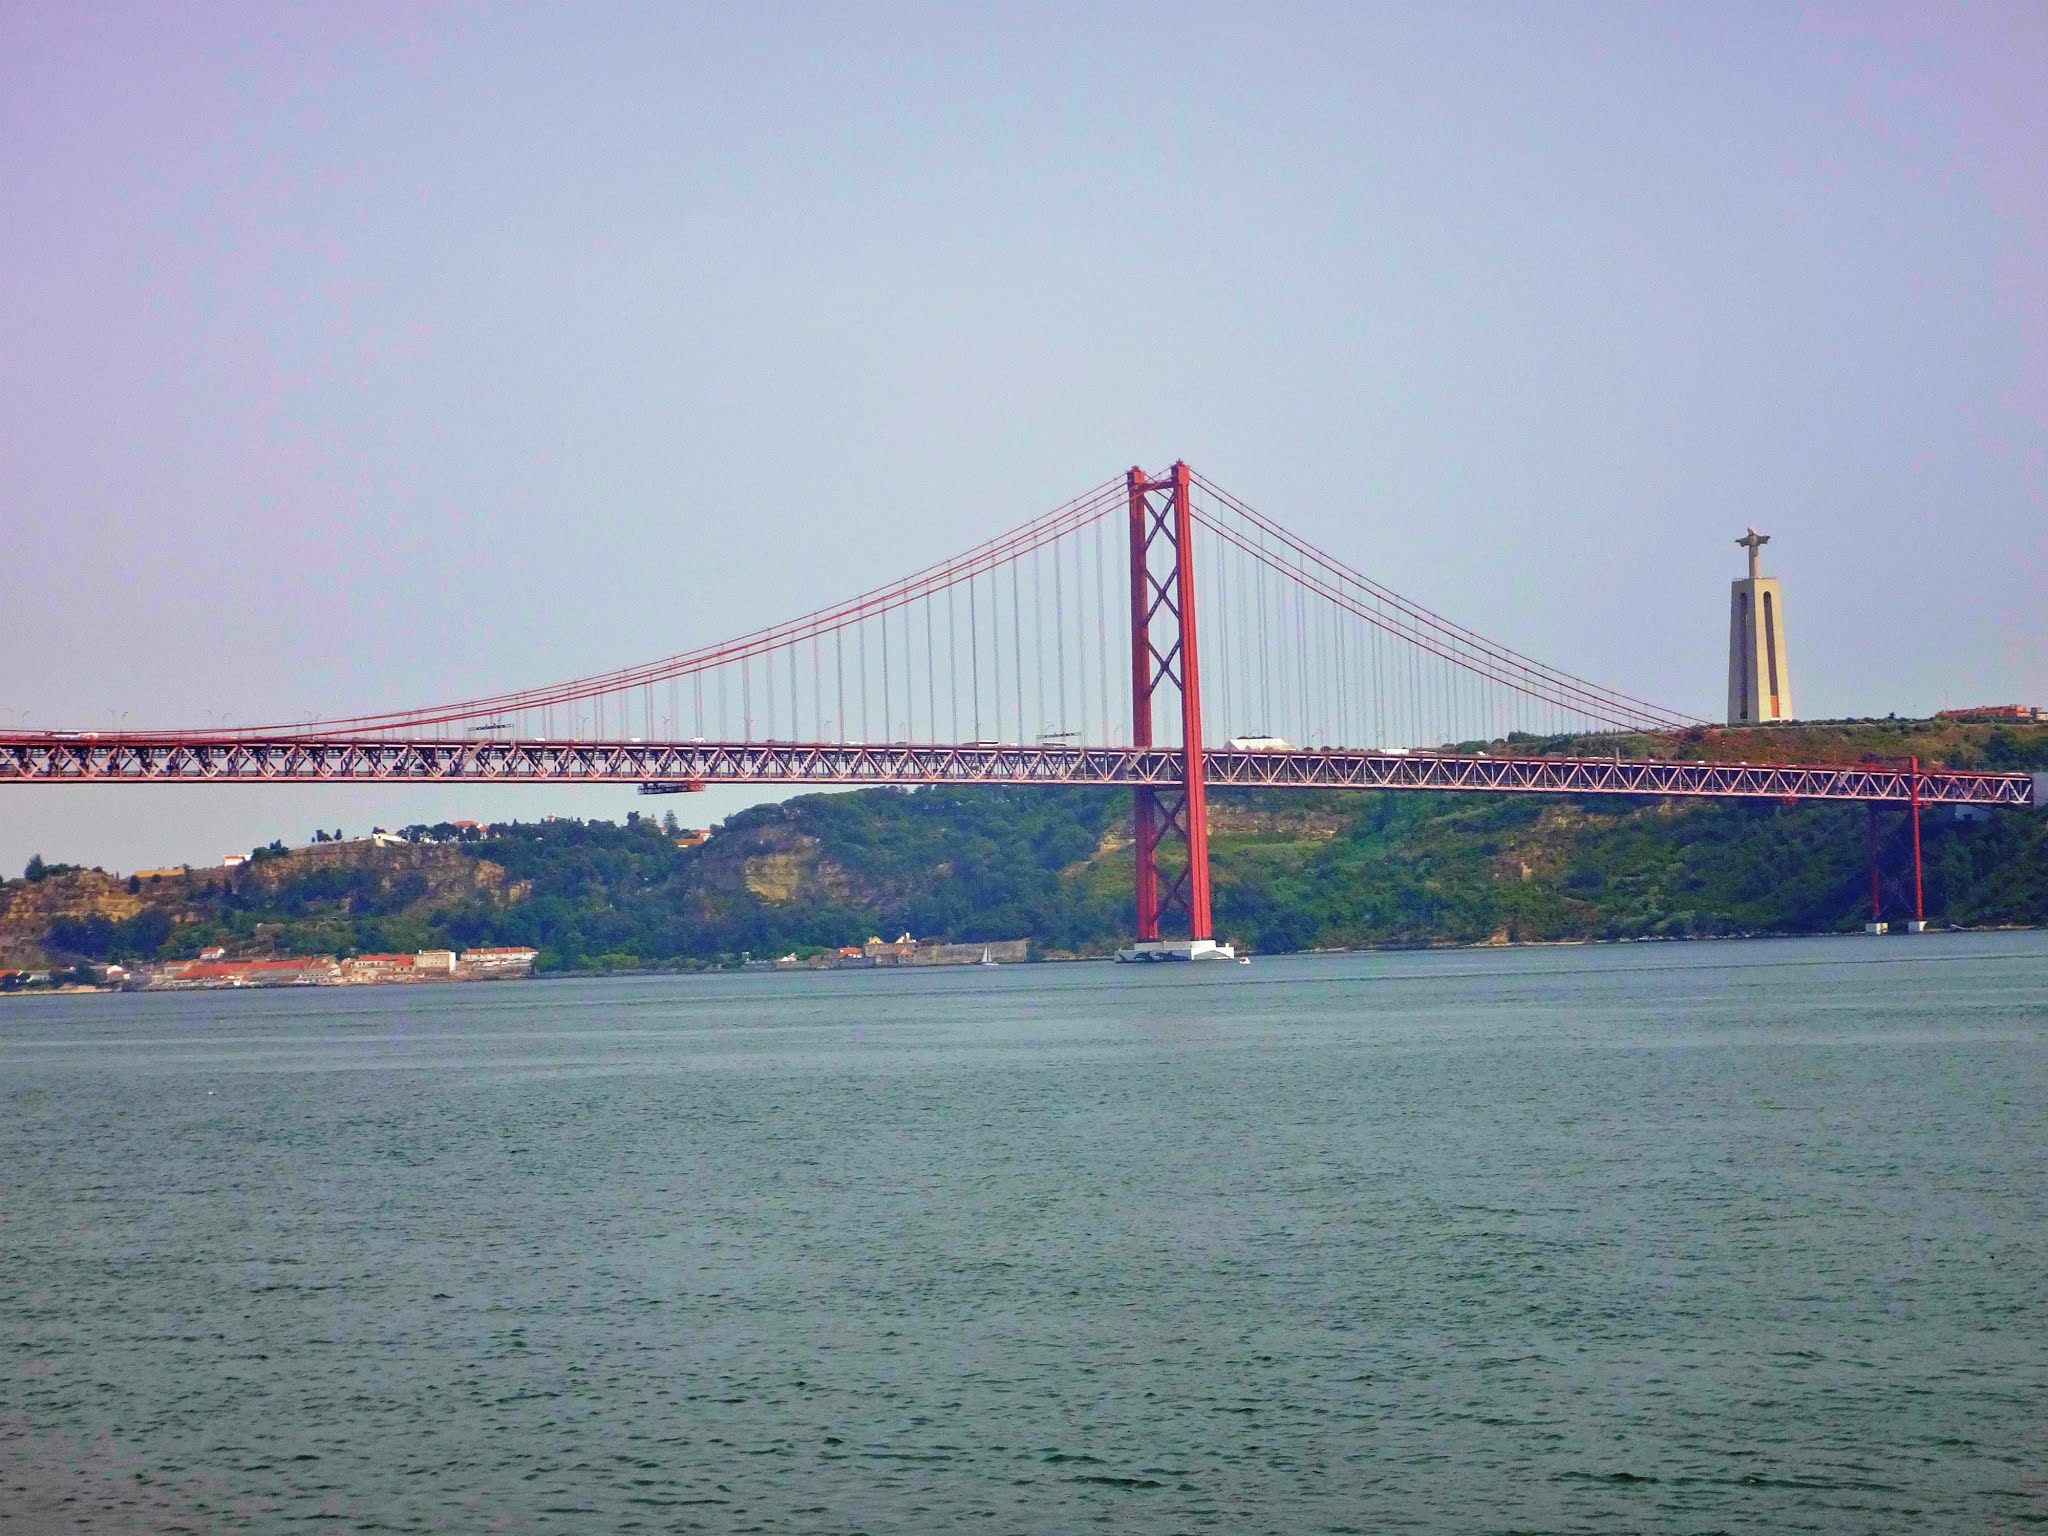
{"type": "Point", "coordinates": [814, 873]}
{"type": "Point", "coordinates": [1312, 870]}
{"type": "Point", "coordinates": [1414, 869]}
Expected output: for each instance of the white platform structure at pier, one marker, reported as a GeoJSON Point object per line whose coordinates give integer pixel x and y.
{"type": "Point", "coordinates": [1175, 949]}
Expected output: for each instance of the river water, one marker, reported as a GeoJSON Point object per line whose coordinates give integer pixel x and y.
{"type": "Point", "coordinates": [1746, 1236]}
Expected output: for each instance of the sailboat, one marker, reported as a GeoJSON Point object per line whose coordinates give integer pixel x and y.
{"type": "Point", "coordinates": [986, 957]}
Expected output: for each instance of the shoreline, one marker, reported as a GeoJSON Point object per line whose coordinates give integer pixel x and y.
{"type": "Point", "coordinates": [75, 990]}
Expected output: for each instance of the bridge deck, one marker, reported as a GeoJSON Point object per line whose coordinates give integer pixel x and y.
{"type": "Point", "coordinates": [131, 759]}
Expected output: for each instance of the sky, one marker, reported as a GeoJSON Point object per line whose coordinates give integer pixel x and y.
{"type": "Point", "coordinates": [356, 357]}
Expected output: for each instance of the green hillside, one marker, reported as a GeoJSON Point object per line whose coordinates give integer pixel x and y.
{"type": "Point", "coordinates": [1292, 870]}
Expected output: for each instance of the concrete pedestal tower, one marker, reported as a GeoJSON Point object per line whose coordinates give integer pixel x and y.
{"type": "Point", "coordinates": [1759, 676]}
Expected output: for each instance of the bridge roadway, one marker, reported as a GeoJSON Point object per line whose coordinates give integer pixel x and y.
{"type": "Point", "coordinates": [679, 765]}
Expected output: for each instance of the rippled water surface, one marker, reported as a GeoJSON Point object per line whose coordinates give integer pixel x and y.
{"type": "Point", "coordinates": [1709, 1237]}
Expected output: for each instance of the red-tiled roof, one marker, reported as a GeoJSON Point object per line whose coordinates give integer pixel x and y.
{"type": "Point", "coordinates": [201, 969]}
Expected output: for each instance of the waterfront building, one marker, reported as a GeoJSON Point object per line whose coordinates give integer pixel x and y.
{"type": "Point", "coordinates": [375, 968]}
{"type": "Point", "coordinates": [498, 960]}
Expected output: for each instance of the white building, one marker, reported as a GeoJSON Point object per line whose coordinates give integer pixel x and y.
{"type": "Point", "coordinates": [499, 960]}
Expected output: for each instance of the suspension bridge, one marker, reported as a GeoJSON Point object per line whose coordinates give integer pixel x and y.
{"type": "Point", "coordinates": [1065, 651]}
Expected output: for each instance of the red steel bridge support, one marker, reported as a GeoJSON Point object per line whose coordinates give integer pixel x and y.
{"type": "Point", "coordinates": [1164, 654]}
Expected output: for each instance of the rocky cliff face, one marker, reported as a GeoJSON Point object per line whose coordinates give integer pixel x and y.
{"type": "Point", "coordinates": [29, 905]}
{"type": "Point", "coordinates": [400, 880]}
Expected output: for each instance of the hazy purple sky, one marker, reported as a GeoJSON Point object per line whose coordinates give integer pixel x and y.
{"type": "Point", "coordinates": [357, 356]}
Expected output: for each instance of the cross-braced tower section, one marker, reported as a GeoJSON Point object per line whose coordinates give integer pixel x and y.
{"type": "Point", "coordinates": [1164, 657]}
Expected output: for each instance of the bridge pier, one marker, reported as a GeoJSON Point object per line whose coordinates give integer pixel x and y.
{"type": "Point", "coordinates": [1877, 923]}
{"type": "Point", "coordinates": [1919, 922]}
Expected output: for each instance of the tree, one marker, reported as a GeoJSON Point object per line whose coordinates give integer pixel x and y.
{"type": "Point", "coordinates": [144, 934]}
{"type": "Point", "coordinates": [36, 868]}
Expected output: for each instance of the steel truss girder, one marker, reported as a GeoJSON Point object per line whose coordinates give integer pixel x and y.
{"type": "Point", "coordinates": [138, 760]}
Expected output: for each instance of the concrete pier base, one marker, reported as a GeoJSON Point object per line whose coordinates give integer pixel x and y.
{"type": "Point", "coordinates": [1175, 949]}
{"type": "Point", "coordinates": [1916, 927]}
{"type": "Point", "coordinates": [1877, 927]}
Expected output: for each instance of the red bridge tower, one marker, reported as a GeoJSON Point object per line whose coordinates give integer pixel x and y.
{"type": "Point", "coordinates": [1163, 654]}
